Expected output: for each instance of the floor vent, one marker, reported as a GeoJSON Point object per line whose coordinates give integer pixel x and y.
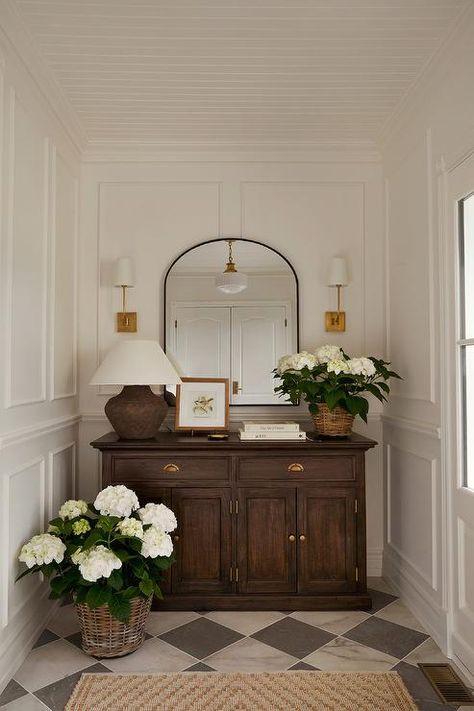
{"type": "Point", "coordinates": [447, 684]}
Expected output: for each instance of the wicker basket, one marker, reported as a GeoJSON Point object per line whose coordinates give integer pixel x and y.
{"type": "Point", "coordinates": [333, 423]}
{"type": "Point", "coordinates": [104, 636]}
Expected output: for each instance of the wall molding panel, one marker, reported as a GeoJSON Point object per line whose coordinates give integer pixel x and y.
{"type": "Point", "coordinates": [10, 608]}
{"type": "Point", "coordinates": [58, 300]}
{"type": "Point", "coordinates": [21, 316]}
{"type": "Point", "coordinates": [71, 476]}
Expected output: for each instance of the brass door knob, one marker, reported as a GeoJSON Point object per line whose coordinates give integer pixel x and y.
{"type": "Point", "coordinates": [171, 468]}
{"type": "Point", "coordinates": [292, 538]}
{"type": "Point", "coordinates": [302, 537]}
{"type": "Point", "coordinates": [295, 467]}
{"type": "Point", "coordinates": [176, 539]}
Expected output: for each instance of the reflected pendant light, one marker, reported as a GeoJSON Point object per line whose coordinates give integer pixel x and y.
{"type": "Point", "coordinates": [231, 281]}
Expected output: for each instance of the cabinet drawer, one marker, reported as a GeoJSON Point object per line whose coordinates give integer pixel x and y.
{"type": "Point", "coordinates": [169, 468]}
{"type": "Point", "coordinates": [297, 468]}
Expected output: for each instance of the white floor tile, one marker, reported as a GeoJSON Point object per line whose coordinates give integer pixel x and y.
{"type": "Point", "coordinates": [153, 656]}
{"type": "Point", "coordinates": [245, 622]}
{"type": "Point", "coordinates": [25, 703]}
{"type": "Point", "coordinates": [161, 622]}
{"type": "Point", "coordinates": [426, 652]}
{"type": "Point", "coordinates": [337, 621]}
{"type": "Point", "coordinates": [49, 663]}
{"type": "Point", "coordinates": [345, 655]}
{"type": "Point", "coordinates": [250, 655]}
{"type": "Point", "coordinates": [401, 615]}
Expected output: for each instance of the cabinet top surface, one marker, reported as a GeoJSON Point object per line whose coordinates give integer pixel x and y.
{"type": "Point", "coordinates": [175, 440]}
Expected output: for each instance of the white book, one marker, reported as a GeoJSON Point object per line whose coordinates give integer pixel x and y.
{"type": "Point", "coordinates": [290, 426]}
{"type": "Point", "coordinates": [268, 436]}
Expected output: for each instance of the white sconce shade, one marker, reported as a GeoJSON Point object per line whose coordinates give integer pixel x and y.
{"type": "Point", "coordinates": [123, 272]}
{"type": "Point", "coordinates": [338, 273]}
{"type": "Point", "coordinates": [136, 362]}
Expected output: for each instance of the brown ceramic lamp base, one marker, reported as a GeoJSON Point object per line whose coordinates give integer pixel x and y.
{"type": "Point", "coordinates": [136, 413]}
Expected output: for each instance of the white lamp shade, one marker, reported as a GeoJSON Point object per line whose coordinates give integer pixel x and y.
{"type": "Point", "coordinates": [231, 282]}
{"type": "Point", "coordinates": [123, 272]}
{"type": "Point", "coordinates": [338, 273]}
{"type": "Point", "coordinates": [136, 362]}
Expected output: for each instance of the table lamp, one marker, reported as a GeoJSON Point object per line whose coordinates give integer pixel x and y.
{"type": "Point", "coordinates": [136, 413]}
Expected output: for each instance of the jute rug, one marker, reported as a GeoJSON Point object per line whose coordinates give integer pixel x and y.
{"type": "Point", "coordinates": [265, 691]}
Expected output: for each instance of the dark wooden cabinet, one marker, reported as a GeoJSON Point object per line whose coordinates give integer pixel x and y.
{"type": "Point", "coordinates": [261, 525]}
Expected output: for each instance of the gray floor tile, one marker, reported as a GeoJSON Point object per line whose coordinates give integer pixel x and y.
{"type": "Point", "coordinates": [380, 599]}
{"type": "Point", "coordinates": [201, 637]}
{"type": "Point", "coordinates": [201, 667]}
{"type": "Point", "coordinates": [56, 695]}
{"type": "Point", "coordinates": [302, 666]}
{"type": "Point", "coordinates": [386, 636]}
{"type": "Point", "coordinates": [418, 685]}
{"type": "Point", "coordinates": [293, 637]}
{"type": "Point", "coordinates": [12, 691]}
{"type": "Point", "coordinates": [424, 705]}
{"type": "Point", "coordinates": [45, 637]}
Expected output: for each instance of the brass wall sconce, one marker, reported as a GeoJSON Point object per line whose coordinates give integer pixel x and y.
{"type": "Point", "coordinates": [338, 277]}
{"type": "Point", "coordinates": [123, 278]}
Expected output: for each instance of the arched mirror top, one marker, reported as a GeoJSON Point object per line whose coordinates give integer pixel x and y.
{"type": "Point", "coordinates": [231, 310]}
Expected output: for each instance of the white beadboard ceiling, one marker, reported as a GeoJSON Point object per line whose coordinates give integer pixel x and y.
{"type": "Point", "coordinates": [235, 73]}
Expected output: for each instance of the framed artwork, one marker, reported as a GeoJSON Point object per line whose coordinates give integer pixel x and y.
{"type": "Point", "coordinates": [202, 404]}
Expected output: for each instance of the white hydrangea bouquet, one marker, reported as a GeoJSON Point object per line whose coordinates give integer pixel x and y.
{"type": "Point", "coordinates": [108, 552]}
{"type": "Point", "coordinates": [329, 379]}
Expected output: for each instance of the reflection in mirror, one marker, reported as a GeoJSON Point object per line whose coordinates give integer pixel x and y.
{"type": "Point", "coordinates": [231, 311]}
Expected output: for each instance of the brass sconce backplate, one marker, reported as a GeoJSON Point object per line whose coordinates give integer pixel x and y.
{"type": "Point", "coordinates": [127, 322]}
{"type": "Point", "coordinates": [335, 320]}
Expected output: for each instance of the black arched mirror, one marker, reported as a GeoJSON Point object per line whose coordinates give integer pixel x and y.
{"type": "Point", "coordinates": [231, 311]}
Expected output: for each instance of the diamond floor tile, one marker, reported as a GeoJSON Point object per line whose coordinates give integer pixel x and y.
{"type": "Point", "coordinates": [387, 637]}
{"type": "Point", "coordinates": [201, 637]}
{"type": "Point", "coordinates": [398, 613]}
{"type": "Point", "coordinates": [245, 622]}
{"type": "Point", "coordinates": [49, 663]}
{"type": "Point", "coordinates": [337, 621]}
{"type": "Point", "coordinates": [293, 637]}
{"type": "Point", "coordinates": [346, 655]}
{"type": "Point", "coordinates": [250, 655]}
{"type": "Point", "coordinates": [12, 691]}
{"type": "Point", "coordinates": [380, 599]}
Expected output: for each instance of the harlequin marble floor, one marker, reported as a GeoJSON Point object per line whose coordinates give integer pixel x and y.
{"type": "Point", "coordinates": [388, 637]}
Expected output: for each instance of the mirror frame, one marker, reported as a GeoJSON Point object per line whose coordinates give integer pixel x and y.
{"type": "Point", "coordinates": [236, 239]}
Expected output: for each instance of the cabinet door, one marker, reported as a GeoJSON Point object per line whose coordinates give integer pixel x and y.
{"type": "Point", "coordinates": [326, 540]}
{"type": "Point", "coordinates": [200, 340]}
{"type": "Point", "coordinates": [266, 557]}
{"type": "Point", "coordinates": [203, 540]}
{"type": "Point", "coordinates": [259, 338]}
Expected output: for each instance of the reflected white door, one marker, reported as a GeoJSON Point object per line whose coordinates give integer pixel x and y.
{"type": "Point", "coordinates": [201, 341]}
{"type": "Point", "coordinates": [459, 394]}
{"type": "Point", "coordinates": [259, 338]}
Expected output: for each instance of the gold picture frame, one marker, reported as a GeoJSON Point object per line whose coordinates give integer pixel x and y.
{"type": "Point", "coordinates": [202, 404]}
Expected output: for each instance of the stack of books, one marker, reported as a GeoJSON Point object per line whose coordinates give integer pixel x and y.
{"type": "Point", "coordinates": [271, 431]}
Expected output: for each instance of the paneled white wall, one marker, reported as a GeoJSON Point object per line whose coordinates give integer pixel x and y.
{"type": "Point", "coordinates": [309, 210]}
{"type": "Point", "coordinates": [432, 133]}
{"type": "Point", "coordinates": [38, 379]}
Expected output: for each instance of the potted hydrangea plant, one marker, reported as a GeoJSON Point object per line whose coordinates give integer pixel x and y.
{"type": "Point", "coordinates": [334, 385]}
{"type": "Point", "coordinates": [110, 556]}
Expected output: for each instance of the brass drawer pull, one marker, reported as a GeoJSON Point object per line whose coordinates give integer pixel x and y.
{"type": "Point", "coordinates": [302, 537]}
{"type": "Point", "coordinates": [292, 538]}
{"type": "Point", "coordinates": [171, 468]}
{"type": "Point", "coordinates": [295, 467]}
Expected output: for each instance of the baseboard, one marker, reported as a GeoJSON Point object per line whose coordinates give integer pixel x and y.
{"type": "Point", "coordinates": [463, 655]}
{"type": "Point", "coordinates": [17, 640]}
{"type": "Point", "coordinates": [374, 562]}
{"type": "Point", "coordinates": [425, 608]}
